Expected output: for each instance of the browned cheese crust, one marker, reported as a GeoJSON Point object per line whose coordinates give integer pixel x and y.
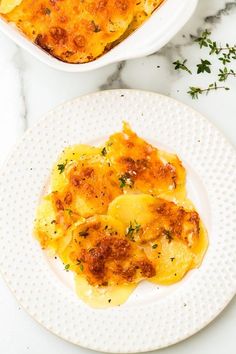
{"type": "Point", "coordinates": [79, 31]}
{"type": "Point", "coordinates": [118, 214]}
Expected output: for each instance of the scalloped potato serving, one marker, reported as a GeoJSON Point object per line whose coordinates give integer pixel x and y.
{"type": "Point", "coordinates": [77, 31]}
{"type": "Point", "coordinates": [118, 214]}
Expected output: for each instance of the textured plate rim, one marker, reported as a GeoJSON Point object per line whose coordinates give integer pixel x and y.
{"type": "Point", "coordinates": [121, 92]}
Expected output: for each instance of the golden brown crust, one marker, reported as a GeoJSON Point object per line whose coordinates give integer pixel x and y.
{"type": "Point", "coordinates": [111, 217]}
{"type": "Point", "coordinates": [107, 255]}
{"type": "Point", "coordinates": [141, 166]}
{"type": "Point", "coordinates": [94, 183]}
{"type": "Point", "coordinates": [172, 222]}
{"type": "Point", "coordinates": [78, 31]}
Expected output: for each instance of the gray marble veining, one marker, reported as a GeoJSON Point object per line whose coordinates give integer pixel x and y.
{"type": "Point", "coordinates": [114, 81]}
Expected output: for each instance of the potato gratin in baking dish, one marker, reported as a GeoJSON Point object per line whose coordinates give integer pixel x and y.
{"type": "Point", "coordinates": [118, 214]}
{"type": "Point", "coordinates": [77, 31]}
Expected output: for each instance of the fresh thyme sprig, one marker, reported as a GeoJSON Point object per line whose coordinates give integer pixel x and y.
{"type": "Point", "coordinates": [225, 55]}
{"type": "Point", "coordinates": [181, 66]}
{"type": "Point", "coordinates": [204, 41]}
{"type": "Point", "coordinates": [132, 229]}
{"type": "Point", "coordinates": [194, 92]}
{"type": "Point", "coordinates": [225, 58]}
{"type": "Point", "coordinates": [225, 73]}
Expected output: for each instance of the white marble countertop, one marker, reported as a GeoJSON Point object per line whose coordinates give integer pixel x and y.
{"type": "Point", "coordinates": [28, 89]}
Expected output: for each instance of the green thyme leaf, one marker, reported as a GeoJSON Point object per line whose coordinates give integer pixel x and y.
{"type": "Point", "coordinates": [84, 233]}
{"type": "Point", "coordinates": [202, 40]}
{"type": "Point", "coordinates": [61, 166]}
{"type": "Point", "coordinates": [181, 66]}
{"type": "Point", "coordinates": [70, 212]}
{"type": "Point", "coordinates": [194, 92]}
{"type": "Point", "coordinates": [104, 151]}
{"type": "Point", "coordinates": [168, 235]}
{"type": "Point", "coordinates": [133, 229]}
{"type": "Point", "coordinates": [126, 180]}
{"type": "Point", "coordinates": [204, 66]}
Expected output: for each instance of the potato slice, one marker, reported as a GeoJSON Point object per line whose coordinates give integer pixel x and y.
{"type": "Point", "coordinates": [93, 184]}
{"type": "Point", "coordinates": [173, 238]}
{"type": "Point", "coordinates": [172, 259]}
{"type": "Point", "coordinates": [129, 208]}
{"type": "Point", "coordinates": [156, 217]}
{"type": "Point", "coordinates": [84, 181]}
{"type": "Point", "coordinates": [100, 251]}
{"type": "Point", "coordinates": [7, 6]}
{"type": "Point", "coordinates": [69, 155]}
{"type": "Point", "coordinates": [199, 249]}
{"type": "Point", "coordinates": [45, 228]}
{"type": "Point", "coordinates": [51, 227]}
{"type": "Point", "coordinates": [103, 296]}
{"type": "Point", "coordinates": [144, 168]}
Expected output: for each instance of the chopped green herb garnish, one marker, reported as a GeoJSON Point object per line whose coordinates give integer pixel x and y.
{"type": "Point", "coordinates": [132, 229]}
{"type": "Point", "coordinates": [104, 151]}
{"type": "Point", "coordinates": [81, 267]}
{"type": "Point", "coordinates": [47, 11]}
{"type": "Point", "coordinates": [125, 180]}
{"type": "Point", "coordinates": [61, 166]}
{"type": "Point", "coordinates": [155, 245]}
{"type": "Point", "coordinates": [122, 182]}
{"type": "Point", "coordinates": [67, 266]}
{"type": "Point", "coordinates": [84, 233]}
{"type": "Point", "coordinates": [96, 28]}
{"type": "Point", "coordinates": [168, 235]}
{"type": "Point", "coordinates": [204, 66]}
{"type": "Point", "coordinates": [69, 211]}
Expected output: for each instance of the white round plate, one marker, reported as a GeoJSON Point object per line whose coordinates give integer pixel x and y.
{"type": "Point", "coordinates": [154, 316]}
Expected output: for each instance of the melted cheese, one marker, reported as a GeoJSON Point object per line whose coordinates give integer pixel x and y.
{"type": "Point", "coordinates": [118, 214]}
{"type": "Point", "coordinates": [7, 6]}
{"type": "Point", "coordinates": [69, 155]}
{"type": "Point", "coordinates": [145, 168]}
{"type": "Point", "coordinates": [172, 237]}
{"type": "Point", "coordinates": [99, 251]}
{"type": "Point", "coordinates": [77, 31]}
{"type": "Point", "coordinates": [102, 297]}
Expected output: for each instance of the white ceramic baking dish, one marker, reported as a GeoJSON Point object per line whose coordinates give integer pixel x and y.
{"type": "Point", "coordinates": [163, 24]}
